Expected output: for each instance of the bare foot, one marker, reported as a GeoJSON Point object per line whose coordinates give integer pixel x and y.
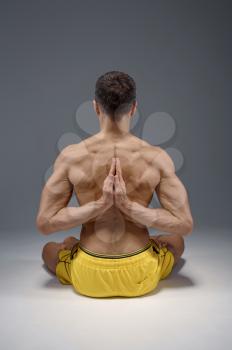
{"type": "Point", "coordinates": [69, 242]}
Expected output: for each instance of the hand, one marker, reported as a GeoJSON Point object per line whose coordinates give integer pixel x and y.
{"type": "Point", "coordinates": [107, 198]}
{"type": "Point", "coordinates": [120, 197]}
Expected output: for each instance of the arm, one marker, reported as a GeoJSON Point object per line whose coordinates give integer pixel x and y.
{"type": "Point", "coordinates": [175, 215]}
{"type": "Point", "coordinates": [53, 214]}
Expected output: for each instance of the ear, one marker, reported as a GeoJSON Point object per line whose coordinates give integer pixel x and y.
{"type": "Point", "coordinates": [96, 107]}
{"type": "Point", "coordinates": [133, 108]}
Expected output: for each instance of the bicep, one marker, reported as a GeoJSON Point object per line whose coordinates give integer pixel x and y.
{"type": "Point", "coordinates": [57, 190]}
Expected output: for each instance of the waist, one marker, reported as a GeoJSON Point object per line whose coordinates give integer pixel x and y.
{"type": "Point", "coordinates": [111, 242]}
{"type": "Point", "coordinates": [115, 256]}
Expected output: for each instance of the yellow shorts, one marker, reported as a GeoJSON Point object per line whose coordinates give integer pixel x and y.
{"type": "Point", "coordinates": [129, 275]}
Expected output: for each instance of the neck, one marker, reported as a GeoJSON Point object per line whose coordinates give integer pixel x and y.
{"type": "Point", "coordinates": [113, 128]}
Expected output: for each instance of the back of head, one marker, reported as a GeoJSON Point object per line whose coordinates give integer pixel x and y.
{"type": "Point", "coordinates": [115, 91]}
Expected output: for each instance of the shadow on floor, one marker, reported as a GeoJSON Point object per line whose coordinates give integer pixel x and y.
{"type": "Point", "coordinates": [174, 280]}
{"type": "Point", "coordinates": [53, 282]}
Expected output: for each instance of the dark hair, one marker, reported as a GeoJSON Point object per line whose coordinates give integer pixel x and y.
{"type": "Point", "coordinates": [115, 91]}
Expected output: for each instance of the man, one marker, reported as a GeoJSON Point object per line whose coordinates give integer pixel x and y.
{"type": "Point", "coordinates": [113, 175]}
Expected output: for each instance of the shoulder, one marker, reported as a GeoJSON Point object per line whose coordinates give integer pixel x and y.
{"type": "Point", "coordinates": [67, 155]}
{"type": "Point", "coordinates": [158, 158]}
{"type": "Point", "coordinates": [163, 161]}
{"type": "Point", "coordinates": [70, 150]}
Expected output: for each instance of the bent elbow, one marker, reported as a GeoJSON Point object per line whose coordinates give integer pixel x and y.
{"type": "Point", "coordinates": [42, 226]}
{"type": "Point", "coordinates": [188, 227]}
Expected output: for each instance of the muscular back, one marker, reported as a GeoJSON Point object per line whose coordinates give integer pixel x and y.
{"type": "Point", "coordinates": [90, 164]}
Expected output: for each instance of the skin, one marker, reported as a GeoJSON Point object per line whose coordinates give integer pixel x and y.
{"type": "Point", "coordinates": [113, 175]}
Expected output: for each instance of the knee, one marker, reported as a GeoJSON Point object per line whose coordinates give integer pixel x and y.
{"type": "Point", "coordinates": [46, 249]}
{"type": "Point", "coordinates": [181, 245]}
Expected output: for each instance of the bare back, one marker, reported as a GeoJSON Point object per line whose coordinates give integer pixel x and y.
{"type": "Point", "coordinates": [113, 231]}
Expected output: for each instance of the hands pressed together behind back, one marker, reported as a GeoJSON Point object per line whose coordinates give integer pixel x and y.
{"type": "Point", "coordinates": [114, 188]}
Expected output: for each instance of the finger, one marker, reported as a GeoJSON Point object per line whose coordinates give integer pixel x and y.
{"type": "Point", "coordinates": [112, 168]}
{"type": "Point", "coordinates": [118, 168]}
{"type": "Point", "coordinates": [111, 186]}
{"type": "Point", "coordinates": [116, 182]}
{"type": "Point", "coordinates": [109, 180]}
{"type": "Point", "coordinates": [109, 183]}
{"type": "Point", "coordinates": [116, 179]}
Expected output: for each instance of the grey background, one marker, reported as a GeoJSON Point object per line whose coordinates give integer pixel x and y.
{"type": "Point", "coordinates": [51, 54]}
{"type": "Point", "coordinates": [179, 53]}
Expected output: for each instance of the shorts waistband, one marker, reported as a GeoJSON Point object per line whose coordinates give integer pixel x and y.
{"type": "Point", "coordinates": [116, 256]}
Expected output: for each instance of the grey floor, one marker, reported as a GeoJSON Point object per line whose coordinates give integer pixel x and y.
{"type": "Point", "coordinates": [190, 309]}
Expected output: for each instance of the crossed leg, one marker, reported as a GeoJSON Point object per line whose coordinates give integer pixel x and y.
{"type": "Point", "coordinates": [50, 252]}
{"type": "Point", "coordinates": [174, 243]}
